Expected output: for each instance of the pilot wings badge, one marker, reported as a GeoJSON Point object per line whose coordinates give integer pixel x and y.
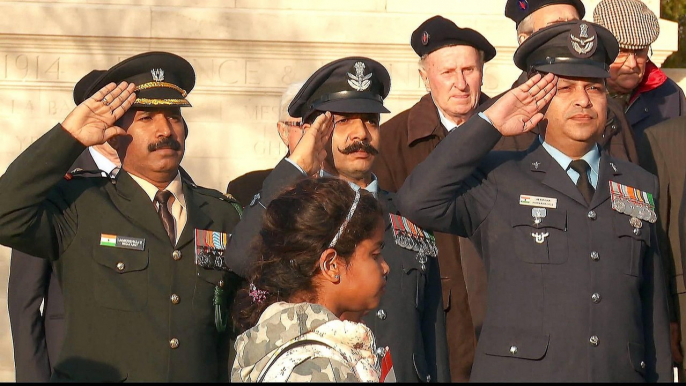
{"type": "Point", "coordinates": [157, 74]}
{"type": "Point", "coordinates": [582, 40]}
{"type": "Point", "coordinates": [359, 81]}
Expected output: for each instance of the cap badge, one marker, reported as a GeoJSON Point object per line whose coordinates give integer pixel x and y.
{"type": "Point", "coordinates": [359, 81]}
{"type": "Point", "coordinates": [523, 5]}
{"type": "Point", "coordinates": [425, 38]}
{"type": "Point", "coordinates": [583, 45]}
{"type": "Point", "coordinates": [157, 74]}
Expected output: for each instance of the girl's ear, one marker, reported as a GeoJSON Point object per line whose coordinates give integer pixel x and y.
{"type": "Point", "coordinates": [330, 267]}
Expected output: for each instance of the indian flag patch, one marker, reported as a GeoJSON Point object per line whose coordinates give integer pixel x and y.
{"type": "Point", "coordinates": [108, 240]}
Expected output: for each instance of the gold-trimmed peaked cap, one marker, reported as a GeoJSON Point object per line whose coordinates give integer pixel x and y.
{"type": "Point", "coordinates": [355, 85]}
{"type": "Point", "coordinates": [162, 79]}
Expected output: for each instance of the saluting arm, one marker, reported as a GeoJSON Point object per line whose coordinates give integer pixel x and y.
{"type": "Point", "coordinates": [449, 192]}
{"type": "Point", "coordinates": [36, 215]}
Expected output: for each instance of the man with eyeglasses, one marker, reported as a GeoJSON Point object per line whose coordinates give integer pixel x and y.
{"type": "Point", "coordinates": [245, 187]}
{"type": "Point", "coordinates": [646, 93]}
{"type": "Point", "coordinates": [533, 15]}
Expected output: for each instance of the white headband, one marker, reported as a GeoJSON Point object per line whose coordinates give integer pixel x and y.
{"type": "Point", "coordinates": [347, 218]}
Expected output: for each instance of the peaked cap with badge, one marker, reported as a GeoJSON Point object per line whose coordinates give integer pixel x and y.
{"type": "Point", "coordinates": [518, 10]}
{"type": "Point", "coordinates": [161, 79]}
{"type": "Point", "coordinates": [350, 85]}
{"type": "Point", "coordinates": [572, 49]}
{"type": "Point", "coordinates": [438, 32]}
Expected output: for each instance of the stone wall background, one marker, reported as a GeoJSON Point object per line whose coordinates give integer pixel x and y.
{"type": "Point", "coordinates": [245, 52]}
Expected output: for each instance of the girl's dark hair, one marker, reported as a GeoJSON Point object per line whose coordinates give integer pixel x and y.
{"type": "Point", "coordinates": [297, 227]}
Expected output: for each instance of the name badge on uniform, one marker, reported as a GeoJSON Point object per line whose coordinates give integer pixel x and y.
{"type": "Point", "coordinates": [543, 202]}
{"type": "Point", "coordinates": [633, 202]}
{"type": "Point", "coordinates": [108, 240]}
{"type": "Point", "coordinates": [409, 236]}
{"type": "Point", "coordinates": [209, 249]}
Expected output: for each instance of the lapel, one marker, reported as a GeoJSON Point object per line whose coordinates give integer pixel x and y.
{"type": "Point", "coordinates": [134, 204]}
{"type": "Point", "coordinates": [195, 216]}
{"type": "Point", "coordinates": [85, 161]}
{"type": "Point", "coordinates": [539, 162]}
{"type": "Point", "coordinates": [608, 170]}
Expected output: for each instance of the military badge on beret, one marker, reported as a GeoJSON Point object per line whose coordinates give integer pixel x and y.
{"type": "Point", "coordinates": [582, 40]}
{"type": "Point", "coordinates": [425, 38]}
{"type": "Point", "coordinates": [523, 5]}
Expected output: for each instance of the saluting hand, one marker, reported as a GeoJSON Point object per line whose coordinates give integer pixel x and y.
{"type": "Point", "coordinates": [310, 152]}
{"type": "Point", "coordinates": [518, 111]}
{"type": "Point", "coordinates": [92, 122]}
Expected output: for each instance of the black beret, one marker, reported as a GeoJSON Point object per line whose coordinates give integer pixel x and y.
{"type": "Point", "coordinates": [161, 79]}
{"type": "Point", "coordinates": [438, 32]}
{"type": "Point", "coordinates": [349, 85]}
{"type": "Point", "coordinates": [572, 49]}
{"type": "Point", "coordinates": [85, 84]}
{"type": "Point", "coordinates": [517, 10]}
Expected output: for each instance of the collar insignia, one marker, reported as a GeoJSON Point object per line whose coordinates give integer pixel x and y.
{"type": "Point", "coordinates": [359, 81]}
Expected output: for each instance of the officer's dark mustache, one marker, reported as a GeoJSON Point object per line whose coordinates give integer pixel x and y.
{"type": "Point", "coordinates": [165, 143]}
{"type": "Point", "coordinates": [359, 145]}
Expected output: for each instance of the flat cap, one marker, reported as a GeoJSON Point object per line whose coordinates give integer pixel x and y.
{"type": "Point", "coordinates": [162, 79]}
{"type": "Point", "coordinates": [571, 49]}
{"type": "Point", "coordinates": [634, 25]}
{"type": "Point", "coordinates": [517, 10]}
{"type": "Point", "coordinates": [349, 85]}
{"type": "Point", "coordinates": [438, 32]}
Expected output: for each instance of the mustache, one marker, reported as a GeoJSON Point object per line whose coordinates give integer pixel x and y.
{"type": "Point", "coordinates": [165, 143]}
{"type": "Point", "coordinates": [357, 146]}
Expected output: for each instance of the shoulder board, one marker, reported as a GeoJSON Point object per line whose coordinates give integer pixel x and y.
{"type": "Point", "coordinates": [78, 172]}
{"type": "Point", "coordinates": [218, 195]}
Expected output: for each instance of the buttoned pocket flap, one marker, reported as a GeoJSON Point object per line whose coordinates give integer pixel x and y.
{"type": "Point", "coordinates": [637, 357]}
{"type": "Point", "coordinates": [211, 276]}
{"type": "Point", "coordinates": [513, 343]}
{"type": "Point", "coordinates": [623, 228]}
{"type": "Point", "coordinates": [544, 242]}
{"type": "Point", "coordinates": [120, 260]}
{"type": "Point", "coordinates": [554, 218]}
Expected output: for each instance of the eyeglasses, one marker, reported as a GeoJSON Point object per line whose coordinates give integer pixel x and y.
{"type": "Point", "coordinates": [641, 56]}
{"type": "Point", "coordinates": [292, 123]}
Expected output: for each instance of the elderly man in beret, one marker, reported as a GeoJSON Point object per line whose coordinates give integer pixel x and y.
{"type": "Point", "coordinates": [576, 289]}
{"type": "Point", "coordinates": [137, 254]}
{"type": "Point", "coordinates": [647, 95]}
{"type": "Point", "coordinates": [451, 65]}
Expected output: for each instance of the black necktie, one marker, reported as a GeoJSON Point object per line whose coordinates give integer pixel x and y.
{"type": "Point", "coordinates": [162, 198]}
{"type": "Point", "coordinates": [583, 183]}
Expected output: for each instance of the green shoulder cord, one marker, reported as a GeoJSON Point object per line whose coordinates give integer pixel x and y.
{"type": "Point", "coordinates": [220, 316]}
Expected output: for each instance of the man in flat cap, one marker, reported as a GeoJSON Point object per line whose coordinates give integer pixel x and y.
{"type": "Point", "coordinates": [348, 95]}
{"type": "Point", "coordinates": [532, 15]}
{"type": "Point", "coordinates": [576, 289]}
{"type": "Point", "coordinates": [451, 65]}
{"type": "Point", "coordinates": [647, 95]}
{"type": "Point", "coordinates": [137, 254]}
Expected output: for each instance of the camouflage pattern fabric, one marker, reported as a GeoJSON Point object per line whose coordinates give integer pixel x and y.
{"type": "Point", "coordinates": [305, 343]}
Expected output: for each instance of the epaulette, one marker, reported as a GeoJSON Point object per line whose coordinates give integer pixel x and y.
{"type": "Point", "coordinates": [218, 195]}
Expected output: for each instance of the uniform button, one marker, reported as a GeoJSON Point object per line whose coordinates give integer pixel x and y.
{"type": "Point", "coordinates": [121, 266]}
{"type": "Point", "coordinates": [592, 215]}
{"type": "Point", "coordinates": [594, 340]}
{"type": "Point", "coordinates": [381, 314]}
{"type": "Point", "coordinates": [513, 350]}
{"type": "Point", "coordinates": [643, 365]}
{"type": "Point", "coordinates": [637, 231]}
{"type": "Point", "coordinates": [595, 256]}
{"type": "Point", "coordinates": [221, 283]}
{"type": "Point", "coordinates": [428, 378]}
{"type": "Point", "coordinates": [646, 109]}
{"type": "Point", "coordinates": [175, 299]}
{"type": "Point", "coordinates": [176, 255]}
{"type": "Point", "coordinates": [174, 343]}
{"type": "Point", "coordinates": [596, 298]}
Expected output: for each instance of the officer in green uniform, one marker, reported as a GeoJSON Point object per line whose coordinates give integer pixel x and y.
{"type": "Point", "coordinates": [137, 254]}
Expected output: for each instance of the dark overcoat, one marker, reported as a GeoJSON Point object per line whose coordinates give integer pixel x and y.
{"type": "Point", "coordinates": [122, 322]}
{"type": "Point", "coordinates": [409, 319]}
{"type": "Point", "coordinates": [652, 107]}
{"type": "Point", "coordinates": [406, 140]}
{"type": "Point", "coordinates": [586, 302]}
{"type": "Point", "coordinates": [37, 338]}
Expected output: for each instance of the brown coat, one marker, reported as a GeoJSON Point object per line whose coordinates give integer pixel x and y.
{"type": "Point", "coordinates": [406, 140]}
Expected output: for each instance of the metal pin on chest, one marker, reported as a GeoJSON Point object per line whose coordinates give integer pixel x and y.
{"type": "Point", "coordinates": [540, 237]}
{"type": "Point", "coordinates": [538, 214]}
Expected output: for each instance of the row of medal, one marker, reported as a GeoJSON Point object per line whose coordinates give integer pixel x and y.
{"type": "Point", "coordinates": [633, 202]}
{"type": "Point", "coordinates": [409, 236]}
